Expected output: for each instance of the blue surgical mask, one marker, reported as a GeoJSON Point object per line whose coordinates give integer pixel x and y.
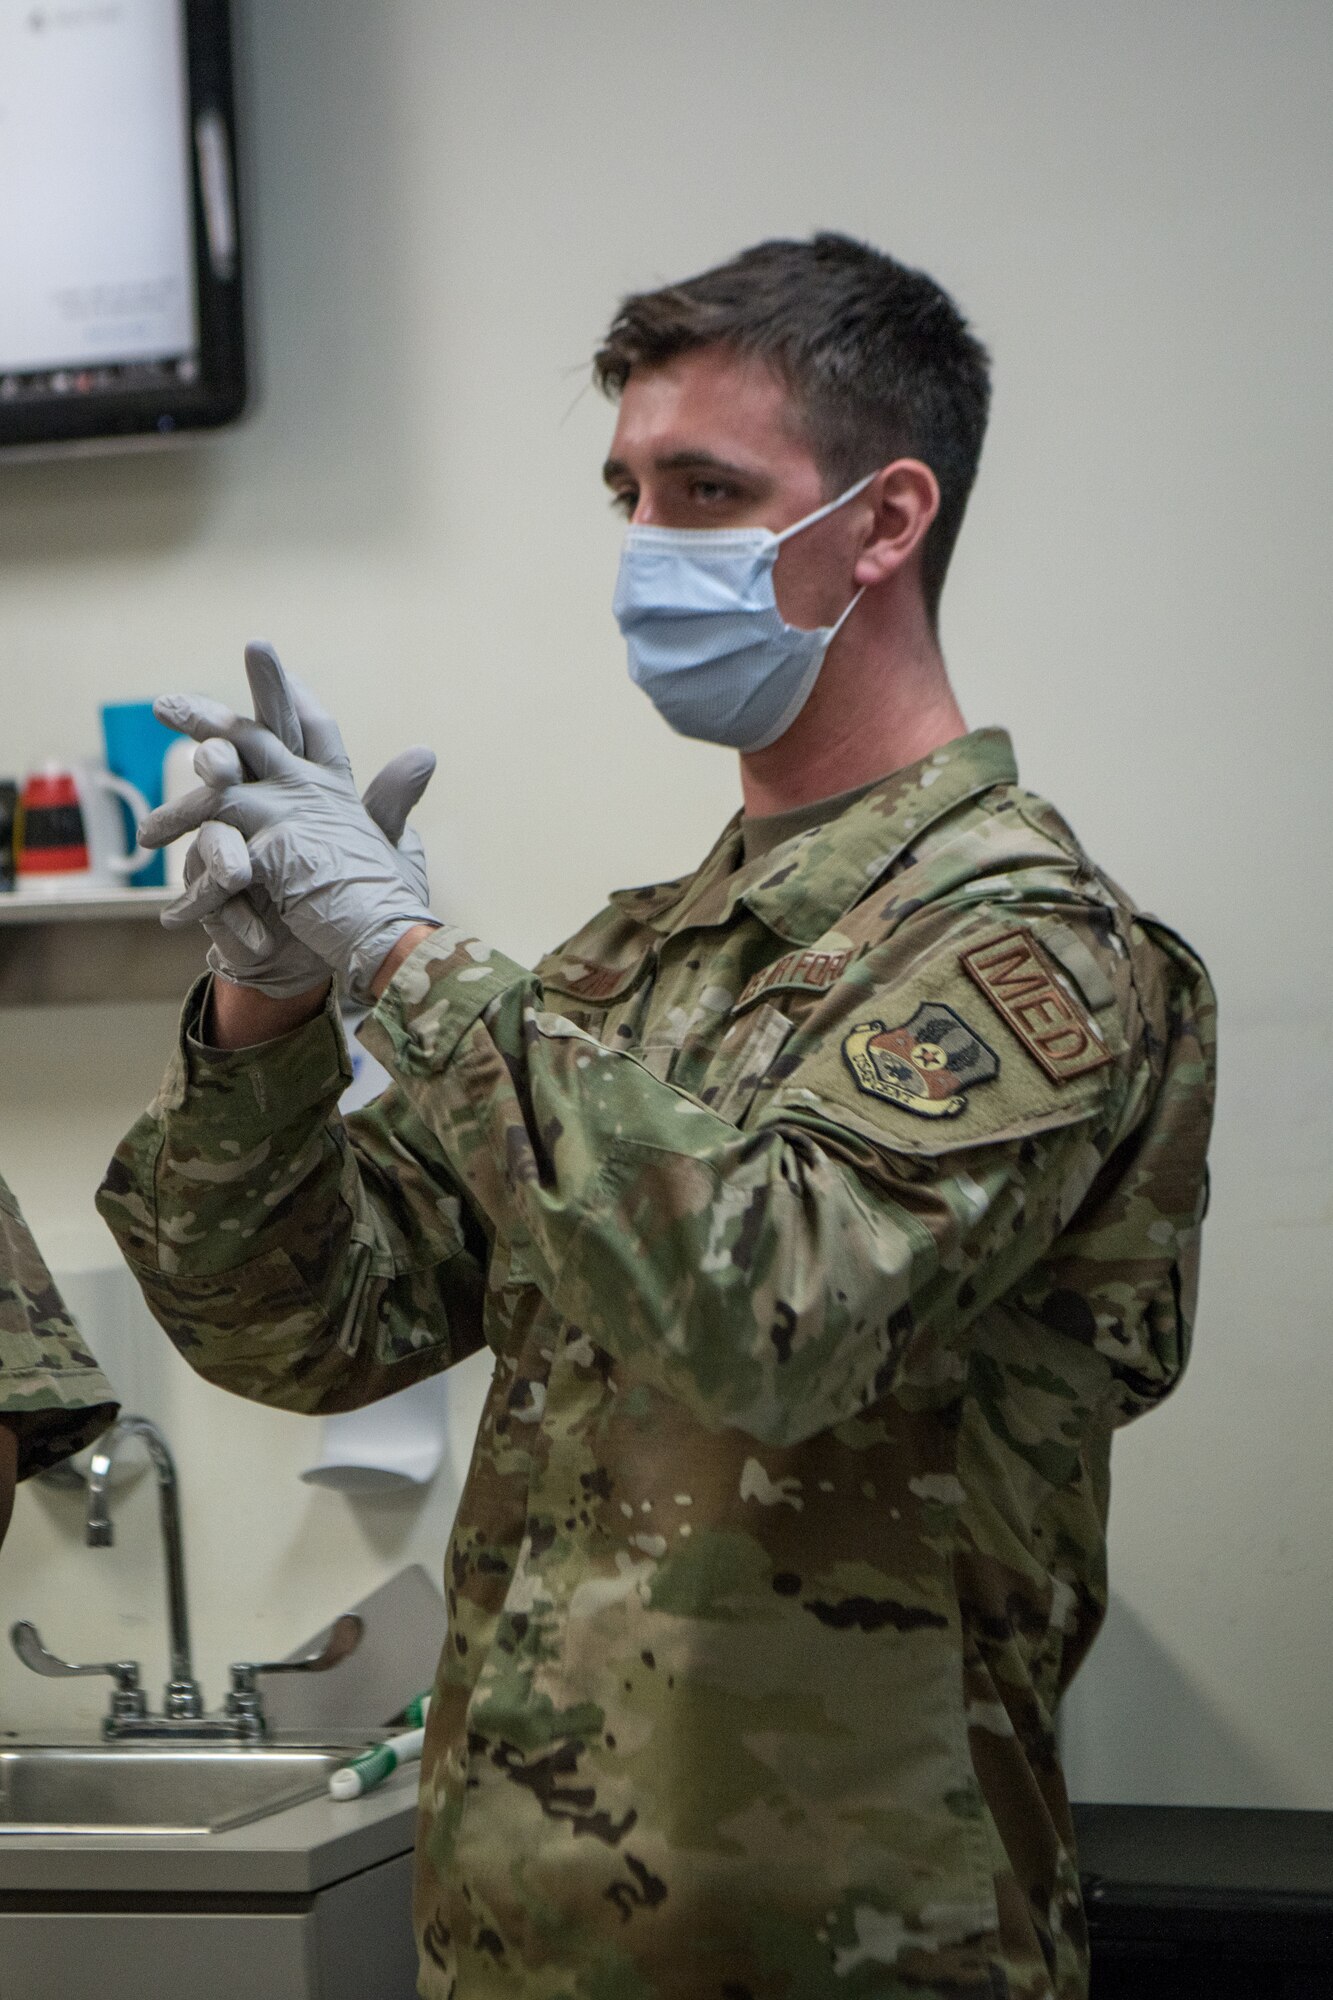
{"type": "Point", "coordinates": [707, 643]}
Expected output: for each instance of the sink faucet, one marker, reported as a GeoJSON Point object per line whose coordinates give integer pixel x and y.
{"type": "Point", "coordinates": [183, 1699]}
{"type": "Point", "coordinates": [242, 1718]}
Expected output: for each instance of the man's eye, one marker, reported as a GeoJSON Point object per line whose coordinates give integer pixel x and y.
{"type": "Point", "coordinates": [625, 502]}
{"type": "Point", "coordinates": [712, 492]}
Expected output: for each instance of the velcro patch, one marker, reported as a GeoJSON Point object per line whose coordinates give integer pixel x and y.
{"type": "Point", "coordinates": [599, 982]}
{"type": "Point", "coordinates": [923, 1065]}
{"type": "Point", "coordinates": [1022, 986]}
{"type": "Point", "coordinates": [798, 971]}
{"type": "Point", "coordinates": [593, 983]}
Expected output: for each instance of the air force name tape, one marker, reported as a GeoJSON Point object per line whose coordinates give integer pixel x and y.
{"type": "Point", "coordinates": [797, 972]}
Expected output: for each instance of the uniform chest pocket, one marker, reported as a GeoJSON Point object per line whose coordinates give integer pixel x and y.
{"type": "Point", "coordinates": [744, 1062]}
{"type": "Point", "coordinates": [595, 991]}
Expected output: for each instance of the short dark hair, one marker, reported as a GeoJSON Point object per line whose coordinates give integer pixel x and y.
{"type": "Point", "coordinates": [880, 362]}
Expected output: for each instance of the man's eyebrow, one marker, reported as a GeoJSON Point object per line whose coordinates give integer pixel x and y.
{"type": "Point", "coordinates": [682, 461]}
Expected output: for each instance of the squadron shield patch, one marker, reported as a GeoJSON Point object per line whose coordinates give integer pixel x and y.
{"type": "Point", "coordinates": [924, 1065]}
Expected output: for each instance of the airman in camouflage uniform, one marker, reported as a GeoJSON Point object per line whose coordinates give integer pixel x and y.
{"type": "Point", "coordinates": [825, 1212]}
{"type": "Point", "coordinates": [53, 1397]}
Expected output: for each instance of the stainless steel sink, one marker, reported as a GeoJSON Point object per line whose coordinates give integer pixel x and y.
{"type": "Point", "coordinates": [155, 1788]}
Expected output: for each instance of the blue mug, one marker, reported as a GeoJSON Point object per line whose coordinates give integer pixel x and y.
{"type": "Point", "coordinates": [136, 744]}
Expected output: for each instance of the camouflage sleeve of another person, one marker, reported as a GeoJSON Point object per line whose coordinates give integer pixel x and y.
{"type": "Point", "coordinates": [779, 1278]}
{"type": "Point", "coordinates": [52, 1392]}
{"type": "Point", "coordinates": [292, 1257]}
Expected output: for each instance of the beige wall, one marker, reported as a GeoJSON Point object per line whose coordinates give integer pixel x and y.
{"type": "Point", "coordinates": [1132, 202]}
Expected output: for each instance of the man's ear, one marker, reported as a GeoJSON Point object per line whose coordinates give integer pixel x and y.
{"type": "Point", "coordinates": [906, 499]}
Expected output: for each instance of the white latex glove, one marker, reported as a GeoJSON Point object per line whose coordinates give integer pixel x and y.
{"type": "Point", "coordinates": [326, 861]}
{"type": "Point", "coordinates": [249, 944]}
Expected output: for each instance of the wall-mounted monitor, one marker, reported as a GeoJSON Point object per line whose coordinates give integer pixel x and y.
{"type": "Point", "coordinates": [121, 315]}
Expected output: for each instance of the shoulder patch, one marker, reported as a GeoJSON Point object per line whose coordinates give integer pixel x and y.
{"type": "Point", "coordinates": [1036, 1005]}
{"type": "Point", "coordinates": [924, 1065]}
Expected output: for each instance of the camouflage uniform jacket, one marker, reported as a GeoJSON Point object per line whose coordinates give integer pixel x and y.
{"type": "Point", "coordinates": [51, 1390]}
{"type": "Point", "coordinates": [825, 1213]}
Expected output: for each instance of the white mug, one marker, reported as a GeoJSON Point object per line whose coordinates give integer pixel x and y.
{"type": "Point", "coordinates": [178, 778]}
{"type": "Point", "coordinates": [72, 840]}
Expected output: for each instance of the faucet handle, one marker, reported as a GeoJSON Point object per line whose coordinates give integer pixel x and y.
{"type": "Point", "coordinates": [27, 1643]}
{"type": "Point", "coordinates": [128, 1698]}
{"type": "Point", "coordinates": [343, 1637]}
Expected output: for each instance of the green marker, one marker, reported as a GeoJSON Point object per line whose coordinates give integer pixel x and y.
{"type": "Point", "coordinates": [373, 1766]}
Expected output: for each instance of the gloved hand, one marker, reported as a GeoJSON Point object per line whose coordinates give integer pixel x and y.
{"type": "Point", "coordinates": [326, 861]}
{"type": "Point", "coordinates": [249, 944]}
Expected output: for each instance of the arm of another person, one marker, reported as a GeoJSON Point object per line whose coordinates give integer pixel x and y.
{"type": "Point", "coordinates": [54, 1398]}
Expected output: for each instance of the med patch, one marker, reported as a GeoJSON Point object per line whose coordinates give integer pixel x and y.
{"type": "Point", "coordinates": [924, 1065]}
{"type": "Point", "coordinates": [1036, 1004]}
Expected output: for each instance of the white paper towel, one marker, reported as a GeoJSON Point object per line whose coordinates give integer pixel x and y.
{"type": "Point", "coordinates": [386, 1447]}
{"type": "Point", "coordinates": [399, 1442]}
{"type": "Point", "coordinates": [106, 1306]}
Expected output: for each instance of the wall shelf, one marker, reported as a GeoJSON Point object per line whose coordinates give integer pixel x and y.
{"type": "Point", "coordinates": [63, 949]}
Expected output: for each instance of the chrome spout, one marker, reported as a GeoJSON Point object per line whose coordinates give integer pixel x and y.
{"type": "Point", "coordinates": [183, 1698]}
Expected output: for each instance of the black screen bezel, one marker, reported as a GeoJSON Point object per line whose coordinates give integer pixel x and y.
{"type": "Point", "coordinates": [164, 410]}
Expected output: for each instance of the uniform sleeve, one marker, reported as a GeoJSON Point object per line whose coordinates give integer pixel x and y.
{"type": "Point", "coordinates": [52, 1392]}
{"type": "Point", "coordinates": [915, 1158]}
{"type": "Point", "coordinates": [294, 1257]}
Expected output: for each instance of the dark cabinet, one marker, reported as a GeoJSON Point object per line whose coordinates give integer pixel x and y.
{"type": "Point", "coordinates": [1207, 1903]}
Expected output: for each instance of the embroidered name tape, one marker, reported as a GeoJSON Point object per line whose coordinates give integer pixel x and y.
{"type": "Point", "coordinates": [1022, 986]}
{"type": "Point", "coordinates": [799, 971]}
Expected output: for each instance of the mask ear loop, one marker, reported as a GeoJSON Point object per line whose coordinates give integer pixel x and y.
{"type": "Point", "coordinates": [829, 507]}
{"type": "Point", "coordinates": [835, 629]}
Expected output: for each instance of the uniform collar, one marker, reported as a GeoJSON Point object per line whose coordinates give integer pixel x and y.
{"type": "Point", "coordinates": [803, 887]}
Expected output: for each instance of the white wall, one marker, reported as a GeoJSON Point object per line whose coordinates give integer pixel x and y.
{"type": "Point", "coordinates": [1132, 202]}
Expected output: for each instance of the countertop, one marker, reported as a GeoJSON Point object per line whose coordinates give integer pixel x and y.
{"type": "Point", "coordinates": [1264, 1860]}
